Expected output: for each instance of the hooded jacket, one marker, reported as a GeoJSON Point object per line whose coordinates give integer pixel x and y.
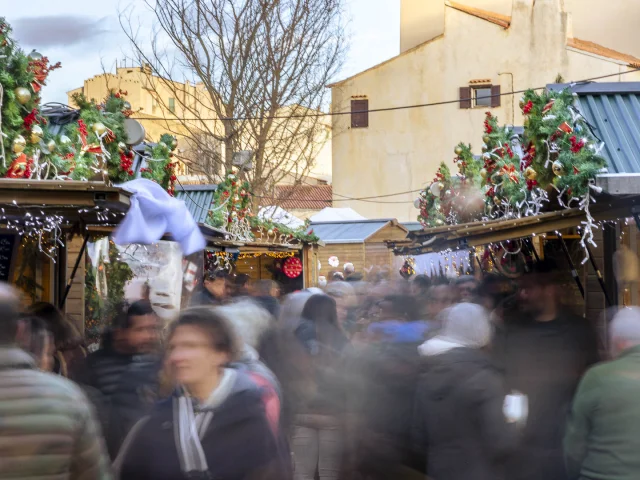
{"type": "Point", "coordinates": [459, 419]}
{"type": "Point", "coordinates": [49, 431]}
{"type": "Point", "coordinates": [238, 443]}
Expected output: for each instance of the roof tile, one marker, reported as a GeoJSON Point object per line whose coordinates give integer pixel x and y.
{"type": "Point", "coordinates": [304, 197]}
{"type": "Point", "coordinates": [596, 49]}
{"type": "Point", "coordinates": [502, 20]}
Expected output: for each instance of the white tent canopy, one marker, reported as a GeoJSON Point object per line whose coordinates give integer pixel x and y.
{"type": "Point", "coordinates": [279, 215]}
{"type": "Point", "coordinates": [331, 214]}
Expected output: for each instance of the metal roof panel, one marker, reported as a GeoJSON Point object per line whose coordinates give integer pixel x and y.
{"type": "Point", "coordinates": [347, 232]}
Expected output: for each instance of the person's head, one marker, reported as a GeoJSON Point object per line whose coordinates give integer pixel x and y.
{"type": "Point", "coordinates": [345, 296]}
{"type": "Point", "coordinates": [349, 269]}
{"type": "Point", "coordinates": [538, 290]}
{"type": "Point", "coordinates": [10, 307]}
{"type": "Point", "coordinates": [65, 334]}
{"type": "Point", "coordinates": [441, 296]}
{"type": "Point", "coordinates": [136, 329]}
{"type": "Point", "coordinates": [493, 290]}
{"type": "Point", "coordinates": [420, 285]}
{"type": "Point", "coordinates": [216, 283]}
{"type": "Point", "coordinates": [322, 311]}
{"type": "Point", "coordinates": [249, 319]}
{"type": "Point", "coordinates": [625, 330]}
{"type": "Point", "coordinates": [466, 324]}
{"type": "Point", "coordinates": [267, 288]}
{"type": "Point", "coordinates": [397, 307]}
{"type": "Point", "coordinates": [467, 287]}
{"type": "Point", "coordinates": [200, 343]}
{"type": "Point", "coordinates": [337, 277]}
{"type": "Point", "coordinates": [38, 341]}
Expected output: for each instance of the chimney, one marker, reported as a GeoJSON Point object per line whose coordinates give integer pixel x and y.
{"type": "Point", "coordinates": [420, 21]}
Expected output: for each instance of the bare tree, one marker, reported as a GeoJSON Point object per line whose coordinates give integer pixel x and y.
{"type": "Point", "coordinates": [245, 76]}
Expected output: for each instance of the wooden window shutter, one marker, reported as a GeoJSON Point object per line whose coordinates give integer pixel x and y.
{"type": "Point", "coordinates": [495, 95]}
{"type": "Point", "coordinates": [359, 113]}
{"type": "Point", "coordinates": [465, 97]}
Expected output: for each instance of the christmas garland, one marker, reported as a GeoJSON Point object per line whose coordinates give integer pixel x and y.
{"type": "Point", "coordinates": [516, 175]}
{"type": "Point", "coordinates": [92, 148]}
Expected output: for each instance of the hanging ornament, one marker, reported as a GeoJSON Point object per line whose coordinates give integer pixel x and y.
{"type": "Point", "coordinates": [530, 173]}
{"type": "Point", "coordinates": [408, 268]}
{"type": "Point", "coordinates": [174, 143]}
{"type": "Point", "coordinates": [458, 150]}
{"type": "Point", "coordinates": [565, 127]}
{"type": "Point", "coordinates": [521, 103]}
{"type": "Point", "coordinates": [439, 222]}
{"type": "Point", "coordinates": [557, 168]}
{"type": "Point", "coordinates": [236, 198]}
{"type": "Point", "coordinates": [23, 95]}
{"type": "Point", "coordinates": [416, 203]}
{"type": "Point", "coordinates": [485, 148]}
{"type": "Point", "coordinates": [334, 261]}
{"type": "Point", "coordinates": [270, 232]}
{"type": "Point", "coordinates": [483, 172]}
{"type": "Point", "coordinates": [51, 146]}
{"type": "Point", "coordinates": [163, 145]}
{"type": "Point", "coordinates": [122, 147]}
{"type": "Point", "coordinates": [436, 188]}
{"type": "Point", "coordinates": [19, 144]}
{"type": "Point", "coordinates": [34, 55]}
{"type": "Point", "coordinates": [234, 214]}
{"type": "Point", "coordinates": [497, 200]}
{"type": "Point", "coordinates": [98, 128]}
{"type": "Point", "coordinates": [548, 106]}
{"type": "Point", "coordinates": [64, 140]}
{"type": "Point", "coordinates": [36, 134]}
{"type": "Point", "coordinates": [126, 106]}
{"type": "Point", "coordinates": [486, 139]}
{"type": "Point", "coordinates": [292, 267]}
{"type": "Point", "coordinates": [231, 177]}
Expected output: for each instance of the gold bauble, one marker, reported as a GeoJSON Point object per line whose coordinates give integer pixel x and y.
{"type": "Point", "coordinates": [122, 147]}
{"type": "Point", "coordinates": [522, 104]}
{"type": "Point", "coordinates": [36, 134]}
{"type": "Point", "coordinates": [269, 232]}
{"type": "Point", "coordinates": [174, 143]}
{"type": "Point", "coordinates": [483, 172]}
{"type": "Point", "coordinates": [64, 140]}
{"type": "Point", "coordinates": [23, 95]}
{"type": "Point", "coordinates": [497, 200]}
{"type": "Point", "coordinates": [37, 56]}
{"type": "Point", "coordinates": [530, 173]}
{"type": "Point", "coordinates": [486, 139]}
{"type": "Point", "coordinates": [51, 145]}
{"type": "Point", "coordinates": [234, 214]}
{"type": "Point", "coordinates": [236, 199]}
{"type": "Point", "coordinates": [438, 221]}
{"type": "Point", "coordinates": [485, 148]}
{"type": "Point", "coordinates": [126, 106]}
{"type": "Point", "coordinates": [98, 128]}
{"type": "Point", "coordinates": [458, 150]}
{"type": "Point", "coordinates": [19, 143]}
{"type": "Point", "coordinates": [557, 168]}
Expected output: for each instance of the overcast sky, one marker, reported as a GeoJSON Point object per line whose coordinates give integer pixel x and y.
{"type": "Point", "coordinates": [86, 34]}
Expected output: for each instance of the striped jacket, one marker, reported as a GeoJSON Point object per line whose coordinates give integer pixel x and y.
{"type": "Point", "coordinates": [47, 427]}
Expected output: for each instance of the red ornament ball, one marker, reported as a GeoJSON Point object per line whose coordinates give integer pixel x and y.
{"type": "Point", "coordinates": [292, 267]}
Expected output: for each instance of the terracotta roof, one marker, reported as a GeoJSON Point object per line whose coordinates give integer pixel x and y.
{"type": "Point", "coordinates": [304, 197]}
{"type": "Point", "coordinates": [596, 49]}
{"type": "Point", "coordinates": [502, 20]}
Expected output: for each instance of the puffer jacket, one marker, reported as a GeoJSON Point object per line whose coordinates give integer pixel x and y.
{"type": "Point", "coordinates": [47, 429]}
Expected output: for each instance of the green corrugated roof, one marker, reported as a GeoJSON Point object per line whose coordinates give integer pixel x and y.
{"type": "Point", "coordinates": [198, 199]}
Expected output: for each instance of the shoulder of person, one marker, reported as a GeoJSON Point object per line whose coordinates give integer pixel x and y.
{"type": "Point", "coordinates": [59, 386]}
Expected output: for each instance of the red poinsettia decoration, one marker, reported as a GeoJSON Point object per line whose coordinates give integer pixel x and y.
{"type": "Point", "coordinates": [487, 126]}
{"type": "Point", "coordinates": [576, 145]}
{"type": "Point", "coordinates": [527, 108]}
{"type": "Point", "coordinates": [510, 172]}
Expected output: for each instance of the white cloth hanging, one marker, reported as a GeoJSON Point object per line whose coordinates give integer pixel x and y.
{"type": "Point", "coordinates": [153, 212]}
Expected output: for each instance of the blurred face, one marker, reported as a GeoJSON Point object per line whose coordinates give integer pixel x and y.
{"type": "Point", "coordinates": [466, 291]}
{"type": "Point", "coordinates": [217, 287]}
{"type": "Point", "coordinates": [533, 295]}
{"type": "Point", "coordinates": [191, 358]}
{"type": "Point", "coordinates": [143, 334]}
{"type": "Point", "coordinates": [441, 297]}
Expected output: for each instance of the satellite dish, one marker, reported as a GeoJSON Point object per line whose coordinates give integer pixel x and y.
{"type": "Point", "coordinates": [134, 130]}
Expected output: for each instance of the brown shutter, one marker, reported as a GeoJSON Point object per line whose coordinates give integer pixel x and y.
{"type": "Point", "coordinates": [495, 95]}
{"type": "Point", "coordinates": [465, 97]}
{"type": "Point", "coordinates": [359, 113]}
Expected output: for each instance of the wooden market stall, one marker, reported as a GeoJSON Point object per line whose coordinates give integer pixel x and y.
{"type": "Point", "coordinates": [360, 242]}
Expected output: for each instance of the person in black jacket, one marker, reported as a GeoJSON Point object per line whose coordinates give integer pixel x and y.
{"type": "Point", "coordinates": [214, 426]}
{"type": "Point", "coordinates": [459, 420]}
{"type": "Point", "coordinates": [213, 291]}
{"type": "Point", "coordinates": [122, 378]}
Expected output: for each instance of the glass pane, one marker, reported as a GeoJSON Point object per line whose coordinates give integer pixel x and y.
{"type": "Point", "coordinates": [482, 97]}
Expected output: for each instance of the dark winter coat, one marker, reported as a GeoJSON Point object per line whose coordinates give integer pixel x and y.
{"type": "Point", "coordinates": [238, 445]}
{"type": "Point", "coordinates": [123, 389]}
{"type": "Point", "coordinates": [459, 418]}
{"type": "Point", "coordinates": [545, 361]}
{"type": "Point", "coordinates": [203, 298]}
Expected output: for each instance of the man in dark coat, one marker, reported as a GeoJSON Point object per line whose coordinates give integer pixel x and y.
{"type": "Point", "coordinates": [543, 350]}
{"type": "Point", "coordinates": [213, 291]}
{"type": "Point", "coordinates": [122, 377]}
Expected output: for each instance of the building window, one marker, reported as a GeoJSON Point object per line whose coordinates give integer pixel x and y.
{"type": "Point", "coordinates": [172, 105]}
{"type": "Point", "coordinates": [359, 113]}
{"type": "Point", "coordinates": [480, 96]}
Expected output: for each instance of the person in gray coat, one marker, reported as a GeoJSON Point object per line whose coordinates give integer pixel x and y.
{"type": "Point", "coordinates": [49, 430]}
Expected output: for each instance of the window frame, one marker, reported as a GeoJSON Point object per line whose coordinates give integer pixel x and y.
{"type": "Point", "coordinates": [171, 104]}
{"type": "Point", "coordinates": [474, 96]}
{"type": "Point", "coordinates": [360, 117]}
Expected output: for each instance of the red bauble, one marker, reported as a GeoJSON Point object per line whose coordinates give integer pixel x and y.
{"type": "Point", "coordinates": [292, 267]}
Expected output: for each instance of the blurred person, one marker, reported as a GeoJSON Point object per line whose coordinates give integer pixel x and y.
{"type": "Point", "coordinates": [319, 404]}
{"type": "Point", "coordinates": [459, 421]}
{"type": "Point", "coordinates": [69, 352]}
{"type": "Point", "coordinates": [214, 426]}
{"type": "Point", "coordinates": [441, 295]}
{"type": "Point", "coordinates": [420, 285]}
{"type": "Point", "coordinates": [467, 287]}
{"type": "Point", "coordinates": [251, 322]}
{"type": "Point", "coordinates": [396, 321]}
{"type": "Point", "coordinates": [214, 289]}
{"type": "Point", "coordinates": [345, 296]}
{"type": "Point", "coordinates": [38, 341]}
{"type": "Point", "coordinates": [602, 434]}
{"type": "Point", "coordinates": [48, 429]}
{"type": "Point", "coordinates": [337, 277]}
{"type": "Point", "coordinates": [122, 377]}
{"type": "Point", "coordinates": [543, 350]}
{"type": "Point", "coordinates": [267, 293]}
{"type": "Point", "coordinates": [242, 285]}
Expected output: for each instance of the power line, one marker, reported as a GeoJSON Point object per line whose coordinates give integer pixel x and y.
{"type": "Point", "coordinates": [385, 109]}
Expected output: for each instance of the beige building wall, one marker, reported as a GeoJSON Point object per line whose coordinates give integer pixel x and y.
{"type": "Point", "coordinates": [401, 150]}
{"type": "Point", "coordinates": [614, 23]}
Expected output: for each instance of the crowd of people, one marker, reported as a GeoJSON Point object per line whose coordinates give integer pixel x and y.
{"type": "Point", "coordinates": [470, 379]}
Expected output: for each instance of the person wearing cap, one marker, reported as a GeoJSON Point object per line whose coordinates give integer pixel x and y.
{"type": "Point", "coordinates": [458, 419]}
{"type": "Point", "coordinates": [213, 291]}
{"type": "Point", "coordinates": [544, 349]}
{"type": "Point", "coordinates": [602, 438]}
